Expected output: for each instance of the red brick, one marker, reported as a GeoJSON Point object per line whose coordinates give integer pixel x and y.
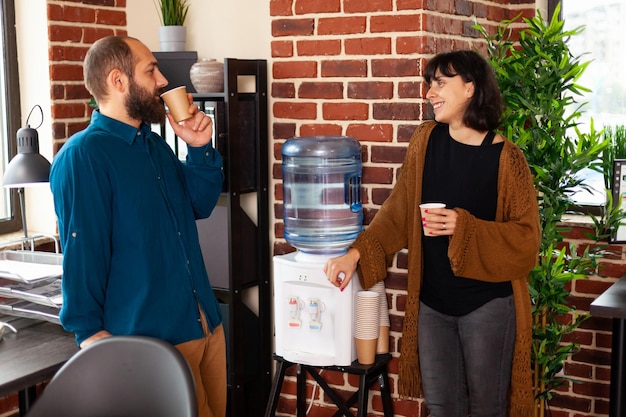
{"type": "Point", "coordinates": [320, 129]}
{"type": "Point", "coordinates": [396, 111]}
{"type": "Point", "coordinates": [317, 6]}
{"type": "Point", "coordinates": [321, 90]}
{"type": "Point", "coordinates": [603, 373]}
{"type": "Point", "coordinates": [371, 132]}
{"type": "Point", "coordinates": [299, 69]}
{"type": "Point", "coordinates": [66, 72]}
{"type": "Point", "coordinates": [578, 370]}
{"type": "Point", "coordinates": [345, 111]}
{"type": "Point", "coordinates": [410, 4]}
{"type": "Point", "coordinates": [282, 49]}
{"type": "Point", "coordinates": [395, 23]}
{"type": "Point", "coordinates": [360, 6]}
{"type": "Point", "coordinates": [90, 35]}
{"type": "Point", "coordinates": [59, 33]}
{"type": "Point", "coordinates": [110, 17]}
{"type": "Point", "coordinates": [67, 53]}
{"type": "Point", "coordinates": [368, 46]}
{"type": "Point", "coordinates": [79, 14]}
{"type": "Point", "coordinates": [54, 12]}
{"type": "Point", "coordinates": [283, 130]}
{"type": "Point", "coordinates": [283, 90]}
{"type": "Point", "coordinates": [409, 44]}
{"type": "Point", "coordinates": [68, 110]}
{"type": "Point", "coordinates": [395, 67]}
{"type": "Point", "coordinates": [604, 340]}
{"type": "Point", "coordinates": [341, 25]}
{"type": "Point", "coordinates": [295, 110]}
{"type": "Point", "coordinates": [318, 47]}
{"type": "Point", "coordinates": [292, 27]}
{"type": "Point", "coordinates": [77, 91]}
{"type": "Point", "coordinates": [377, 175]}
{"type": "Point", "coordinates": [388, 154]}
{"type": "Point", "coordinates": [612, 269]}
{"type": "Point", "coordinates": [370, 90]}
{"type": "Point", "coordinates": [594, 288]}
{"type": "Point", "coordinates": [572, 403]}
{"type": "Point", "coordinates": [281, 7]}
{"type": "Point", "coordinates": [409, 89]}
{"type": "Point", "coordinates": [379, 195]}
{"type": "Point", "coordinates": [443, 25]}
{"type": "Point", "coordinates": [346, 68]}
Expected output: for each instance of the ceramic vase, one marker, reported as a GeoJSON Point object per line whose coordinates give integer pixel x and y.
{"type": "Point", "coordinates": [207, 76]}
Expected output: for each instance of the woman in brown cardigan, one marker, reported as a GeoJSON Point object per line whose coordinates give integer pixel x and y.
{"type": "Point", "coordinates": [467, 279]}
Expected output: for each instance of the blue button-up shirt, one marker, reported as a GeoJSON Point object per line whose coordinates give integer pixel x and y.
{"type": "Point", "coordinates": [126, 208]}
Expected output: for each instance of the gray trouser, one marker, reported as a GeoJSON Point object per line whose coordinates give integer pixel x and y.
{"type": "Point", "coordinates": [465, 362]}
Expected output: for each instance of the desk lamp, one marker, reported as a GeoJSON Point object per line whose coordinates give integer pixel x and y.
{"type": "Point", "coordinates": [28, 167]}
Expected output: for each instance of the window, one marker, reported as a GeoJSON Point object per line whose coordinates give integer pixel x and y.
{"type": "Point", "coordinates": [603, 43]}
{"type": "Point", "coordinates": [10, 116]}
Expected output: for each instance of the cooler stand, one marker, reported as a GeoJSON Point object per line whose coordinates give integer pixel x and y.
{"type": "Point", "coordinates": [368, 374]}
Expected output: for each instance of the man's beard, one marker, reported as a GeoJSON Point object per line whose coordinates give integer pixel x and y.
{"type": "Point", "coordinates": [143, 105]}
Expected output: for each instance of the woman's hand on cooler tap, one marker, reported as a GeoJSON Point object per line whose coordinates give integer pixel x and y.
{"type": "Point", "coordinates": [339, 270]}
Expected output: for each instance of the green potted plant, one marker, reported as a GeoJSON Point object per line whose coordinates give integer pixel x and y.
{"type": "Point", "coordinates": [538, 76]}
{"type": "Point", "coordinates": [172, 33]}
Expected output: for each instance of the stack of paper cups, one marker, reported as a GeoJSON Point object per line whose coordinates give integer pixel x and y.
{"type": "Point", "coordinates": [366, 325]}
{"type": "Point", "coordinates": [383, 309]}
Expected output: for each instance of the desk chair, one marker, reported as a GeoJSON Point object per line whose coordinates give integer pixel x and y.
{"type": "Point", "coordinates": [121, 376]}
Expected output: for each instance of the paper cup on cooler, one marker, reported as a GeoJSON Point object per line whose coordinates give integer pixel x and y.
{"type": "Point", "coordinates": [367, 316]}
{"type": "Point", "coordinates": [177, 103]}
{"type": "Point", "coordinates": [383, 321]}
{"type": "Point", "coordinates": [426, 206]}
{"type": "Point", "coordinates": [366, 351]}
{"type": "Point", "coordinates": [366, 323]}
{"type": "Point", "coordinates": [383, 307]}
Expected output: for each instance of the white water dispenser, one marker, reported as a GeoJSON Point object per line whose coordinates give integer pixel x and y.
{"type": "Point", "coordinates": [322, 215]}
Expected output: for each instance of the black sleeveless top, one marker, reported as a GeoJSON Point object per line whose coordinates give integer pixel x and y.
{"type": "Point", "coordinates": [462, 176]}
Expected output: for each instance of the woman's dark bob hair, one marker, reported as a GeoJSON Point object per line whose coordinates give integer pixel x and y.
{"type": "Point", "coordinates": [485, 109]}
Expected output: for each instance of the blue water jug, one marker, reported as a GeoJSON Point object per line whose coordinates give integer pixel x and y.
{"type": "Point", "coordinates": [323, 213]}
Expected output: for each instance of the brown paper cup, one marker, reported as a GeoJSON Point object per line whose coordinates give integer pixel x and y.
{"type": "Point", "coordinates": [426, 206]}
{"type": "Point", "coordinates": [177, 103]}
{"type": "Point", "coordinates": [382, 345]}
{"type": "Point", "coordinates": [366, 315]}
{"type": "Point", "coordinates": [366, 351]}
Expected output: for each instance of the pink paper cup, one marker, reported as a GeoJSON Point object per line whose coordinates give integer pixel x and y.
{"type": "Point", "coordinates": [426, 206]}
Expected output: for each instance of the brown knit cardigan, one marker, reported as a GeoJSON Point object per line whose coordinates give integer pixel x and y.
{"type": "Point", "coordinates": [502, 250]}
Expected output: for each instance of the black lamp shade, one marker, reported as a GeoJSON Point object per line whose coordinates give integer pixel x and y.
{"type": "Point", "coordinates": [28, 166]}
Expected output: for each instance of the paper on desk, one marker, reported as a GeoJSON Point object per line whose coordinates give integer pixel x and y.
{"type": "Point", "coordinates": [49, 293]}
{"type": "Point", "coordinates": [23, 308]}
{"type": "Point", "coordinates": [28, 272]}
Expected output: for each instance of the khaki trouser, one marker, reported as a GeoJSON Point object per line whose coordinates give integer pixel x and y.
{"type": "Point", "coordinates": [207, 359]}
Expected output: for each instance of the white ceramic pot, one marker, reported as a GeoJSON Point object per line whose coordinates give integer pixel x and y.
{"type": "Point", "coordinates": [172, 38]}
{"type": "Point", "coordinates": [207, 76]}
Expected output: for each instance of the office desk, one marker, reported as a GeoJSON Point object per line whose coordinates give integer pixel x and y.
{"type": "Point", "coordinates": [32, 356]}
{"type": "Point", "coordinates": [612, 304]}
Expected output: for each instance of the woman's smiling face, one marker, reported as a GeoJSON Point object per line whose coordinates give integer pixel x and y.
{"type": "Point", "coordinates": [449, 97]}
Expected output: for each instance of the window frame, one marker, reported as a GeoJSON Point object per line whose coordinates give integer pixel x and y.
{"type": "Point", "coordinates": [13, 111]}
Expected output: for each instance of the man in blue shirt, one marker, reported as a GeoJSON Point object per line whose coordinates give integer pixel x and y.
{"type": "Point", "coordinates": [126, 209]}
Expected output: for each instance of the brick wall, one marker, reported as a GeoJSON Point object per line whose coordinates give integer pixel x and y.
{"type": "Point", "coordinates": [590, 367]}
{"type": "Point", "coordinates": [353, 67]}
{"type": "Point", "coordinates": [73, 25]}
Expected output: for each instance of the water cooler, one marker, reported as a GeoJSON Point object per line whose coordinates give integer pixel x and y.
{"type": "Point", "coordinates": [322, 216]}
